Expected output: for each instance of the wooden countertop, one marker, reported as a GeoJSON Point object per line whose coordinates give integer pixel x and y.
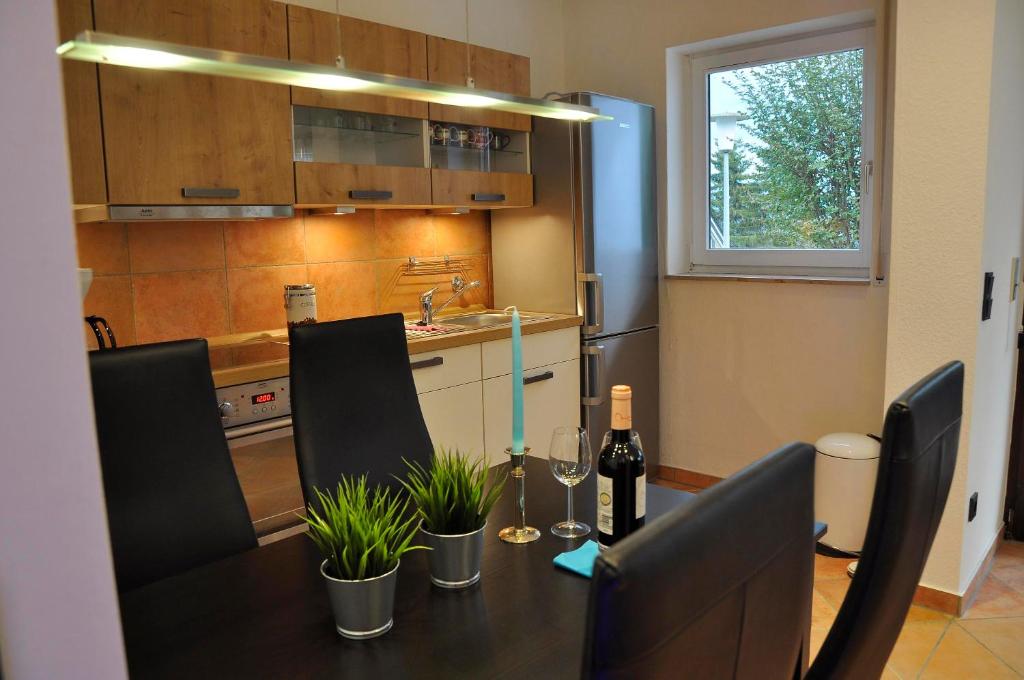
{"type": "Point", "coordinates": [267, 370]}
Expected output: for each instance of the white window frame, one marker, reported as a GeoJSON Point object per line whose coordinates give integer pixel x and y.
{"type": "Point", "coordinates": [795, 261]}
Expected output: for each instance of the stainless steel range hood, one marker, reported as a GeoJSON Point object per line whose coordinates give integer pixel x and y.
{"type": "Point", "coordinates": [137, 213]}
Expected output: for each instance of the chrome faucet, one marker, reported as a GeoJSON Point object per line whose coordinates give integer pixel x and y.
{"type": "Point", "coordinates": [427, 311]}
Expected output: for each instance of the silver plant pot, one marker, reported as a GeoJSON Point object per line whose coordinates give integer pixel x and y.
{"type": "Point", "coordinates": [454, 559]}
{"type": "Point", "coordinates": [362, 609]}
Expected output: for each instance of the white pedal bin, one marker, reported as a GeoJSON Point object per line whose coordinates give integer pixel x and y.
{"type": "Point", "coordinates": [844, 484]}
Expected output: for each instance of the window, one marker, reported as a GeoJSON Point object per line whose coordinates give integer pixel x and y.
{"type": "Point", "coordinates": [783, 143]}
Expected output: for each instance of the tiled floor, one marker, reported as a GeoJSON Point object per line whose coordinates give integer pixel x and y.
{"type": "Point", "coordinates": [986, 643]}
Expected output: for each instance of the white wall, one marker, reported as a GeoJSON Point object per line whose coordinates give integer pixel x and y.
{"type": "Point", "coordinates": [746, 366]}
{"type": "Point", "coordinates": [995, 364]}
{"type": "Point", "coordinates": [939, 168]}
{"type": "Point", "coordinates": [58, 605]}
{"type": "Point", "coordinates": [532, 28]}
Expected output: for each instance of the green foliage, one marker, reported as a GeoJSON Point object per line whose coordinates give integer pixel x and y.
{"type": "Point", "coordinates": [361, 533]}
{"type": "Point", "coordinates": [451, 495]}
{"type": "Point", "coordinates": [804, 189]}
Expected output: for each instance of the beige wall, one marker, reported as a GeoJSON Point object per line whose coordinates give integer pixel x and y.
{"type": "Point", "coordinates": [940, 137]}
{"type": "Point", "coordinates": [994, 369]}
{"type": "Point", "coordinates": [532, 28]}
{"type": "Point", "coordinates": [59, 614]}
{"type": "Point", "coordinates": [746, 366]}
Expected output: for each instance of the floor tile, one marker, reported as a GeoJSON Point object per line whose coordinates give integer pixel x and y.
{"type": "Point", "coordinates": [1004, 637]}
{"type": "Point", "coordinates": [959, 656]}
{"type": "Point", "coordinates": [831, 567]}
{"type": "Point", "coordinates": [833, 589]}
{"type": "Point", "coordinates": [915, 644]}
{"type": "Point", "coordinates": [822, 613]}
{"type": "Point", "coordinates": [996, 599]}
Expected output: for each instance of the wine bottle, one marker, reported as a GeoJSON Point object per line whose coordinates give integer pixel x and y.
{"type": "Point", "coordinates": [621, 476]}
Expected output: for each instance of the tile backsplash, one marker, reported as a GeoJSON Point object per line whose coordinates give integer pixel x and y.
{"type": "Point", "coordinates": [158, 281]}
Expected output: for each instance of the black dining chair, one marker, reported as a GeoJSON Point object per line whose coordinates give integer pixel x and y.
{"type": "Point", "coordinates": [354, 404]}
{"type": "Point", "coordinates": [915, 470]}
{"type": "Point", "coordinates": [719, 588]}
{"type": "Point", "coordinates": [173, 500]}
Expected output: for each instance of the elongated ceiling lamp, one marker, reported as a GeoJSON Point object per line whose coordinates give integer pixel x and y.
{"type": "Point", "coordinates": [107, 48]}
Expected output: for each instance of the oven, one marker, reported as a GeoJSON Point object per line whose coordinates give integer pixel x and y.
{"type": "Point", "coordinates": [258, 427]}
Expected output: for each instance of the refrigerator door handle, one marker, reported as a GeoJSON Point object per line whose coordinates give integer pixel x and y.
{"type": "Point", "coordinates": [593, 375]}
{"type": "Point", "coordinates": [592, 326]}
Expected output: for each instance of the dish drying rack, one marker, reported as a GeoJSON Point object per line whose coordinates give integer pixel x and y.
{"type": "Point", "coordinates": [432, 266]}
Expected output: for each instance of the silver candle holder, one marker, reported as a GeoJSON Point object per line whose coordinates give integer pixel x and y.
{"type": "Point", "coordinates": [519, 532]}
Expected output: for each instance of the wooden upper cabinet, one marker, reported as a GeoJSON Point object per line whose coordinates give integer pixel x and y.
{"type": "Point", "coordinates": [313, 37]}
{"type": "Point", "coordinates": [82, 110]}
{"type": "Point", "coordinates": [165, 132]}
{"type": "Point", "coordinates": [491, 69]}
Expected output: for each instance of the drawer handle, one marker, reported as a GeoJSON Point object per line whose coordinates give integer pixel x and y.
{"type": "Point", "coordinates": [488, 197]}
{"type": "Point", "coordinates": [369, 194]}
{"type": "Point", "coordinates": [540, 377]}
{"type": "Point", "coordinates": [427, 363]}
{"type": "Point", "coordinates": [209, 192]}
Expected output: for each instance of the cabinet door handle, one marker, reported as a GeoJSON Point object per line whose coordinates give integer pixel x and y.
{"type": "Point", "coordinates": [427, 363]}
{"type": "Point", "coordinates": [540, 377]}
{"type": "Point", "coordinates": [209, 192]}
{"type": "Point", "coordinates": [370, 194]}
{"type": "Point", "coordinates": [488, 197]}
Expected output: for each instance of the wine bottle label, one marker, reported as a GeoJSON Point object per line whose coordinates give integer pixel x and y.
{"type": "Point", "coordinates": [641, 496]}
{"type": "Point", "coordinates": [604, 504]}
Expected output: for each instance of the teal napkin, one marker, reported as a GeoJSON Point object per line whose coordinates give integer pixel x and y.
{"type": "Point", "coordinates": [580, 560]}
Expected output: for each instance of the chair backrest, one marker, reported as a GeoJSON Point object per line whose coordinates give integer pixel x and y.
{"type": "Point", "coordinates": [354, 403]}
{"type": "Point", "coordinates": [173, 500]}
{"type": "Point", "coordinates": [719, 588]}
{"type": "Point", "coordinates": [915, 470]}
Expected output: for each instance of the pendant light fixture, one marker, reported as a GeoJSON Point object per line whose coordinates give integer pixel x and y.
{"type": "Point", "coordinates": [115, 50]}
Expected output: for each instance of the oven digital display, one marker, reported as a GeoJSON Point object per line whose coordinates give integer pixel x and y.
{"type": "Point", "coordinates": [264, 398]}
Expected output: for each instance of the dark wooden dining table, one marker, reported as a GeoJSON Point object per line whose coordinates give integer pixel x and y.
{"type": "Point", "coordinates": [265, 614]}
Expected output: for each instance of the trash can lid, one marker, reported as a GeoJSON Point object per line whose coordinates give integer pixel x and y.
{"type": "Point", "coordinates": [850, 445]}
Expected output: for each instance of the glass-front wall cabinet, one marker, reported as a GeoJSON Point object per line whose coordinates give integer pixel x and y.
{"type": "Point", "coordinates": [478, 148]}
{"type": "Point", "coordinates": [354, 137]}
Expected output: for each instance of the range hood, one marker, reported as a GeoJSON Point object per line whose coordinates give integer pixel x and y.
{"type": "Point", "coordinates": [156, 213]}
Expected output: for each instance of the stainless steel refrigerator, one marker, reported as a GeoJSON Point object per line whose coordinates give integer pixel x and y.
{"type": "Point", "coordinates": [589, 245]}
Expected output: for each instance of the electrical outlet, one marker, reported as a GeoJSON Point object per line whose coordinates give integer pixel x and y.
{"type": "Point", "coordinates": [972, 507]}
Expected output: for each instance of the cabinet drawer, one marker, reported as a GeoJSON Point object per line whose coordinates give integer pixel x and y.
{"type": "Point", "coordinates": [539, 349]}
{"type": "Point", "coordinates": [481, 189]}
{"type": "Point", "coordinates": [344, 184]}
{"type": "Point", "coordinates": [551, 398]}
{"type": "Point", "coordinates": [455, 418]}
{"type": "Point", "coordinates": [445, 368]}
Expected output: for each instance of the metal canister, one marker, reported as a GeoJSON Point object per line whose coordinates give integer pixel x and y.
{"type": "Point", "coordinates": [300, 304]}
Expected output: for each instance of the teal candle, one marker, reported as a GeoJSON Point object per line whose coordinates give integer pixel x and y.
{"type": "Point", "coordinates": [517, 384]}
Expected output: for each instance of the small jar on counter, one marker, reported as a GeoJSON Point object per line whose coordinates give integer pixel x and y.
{"type": "Point", "coordinates": [300, 304]}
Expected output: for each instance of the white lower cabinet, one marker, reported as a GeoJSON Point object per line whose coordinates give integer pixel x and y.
{"type": "Point", "coordinates": [551, 398]}
{"type": "Point", "coordinates": [455, 417]}
{"type": "Point", "coordinates": [466, 395]}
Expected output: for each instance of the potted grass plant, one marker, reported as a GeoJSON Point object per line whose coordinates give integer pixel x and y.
{"type": "Point", "coordinates": [452, 501]}
{"type": "Point", "coordinates": [362, 535]}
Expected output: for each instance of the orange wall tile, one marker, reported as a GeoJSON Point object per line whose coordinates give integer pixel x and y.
{"type": "Point", "coordinates": [175, 246]}
{"type": "Point", "coordinates": [178, 305]}
{"type": "Point", "coordinates": [171, 280]}
{"type": "Point", "coordinates": [268, 242]}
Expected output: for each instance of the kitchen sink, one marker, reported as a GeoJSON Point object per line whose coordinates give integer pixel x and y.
{"type": "Point", "coordinates": [484, 319]}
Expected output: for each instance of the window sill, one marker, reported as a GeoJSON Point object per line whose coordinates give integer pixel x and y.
{"type": "Point", "coordinates": [776, 278]}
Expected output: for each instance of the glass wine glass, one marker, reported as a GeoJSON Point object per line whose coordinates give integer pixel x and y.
{"type": "Point", "coordinates": [570, 462]}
